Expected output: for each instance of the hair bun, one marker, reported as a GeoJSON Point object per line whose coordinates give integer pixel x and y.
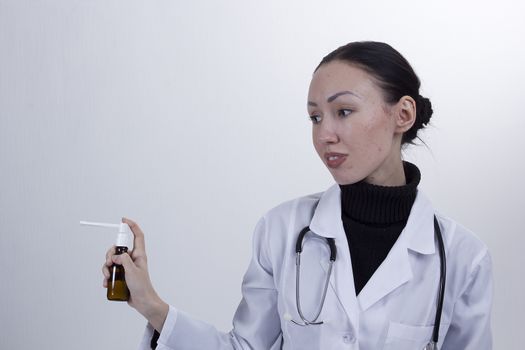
{"type": "Point", "coordinates": [424, 111]}
{"type": "Point", "coordinates": [423, 114]}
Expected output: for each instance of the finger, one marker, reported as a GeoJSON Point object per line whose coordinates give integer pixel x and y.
{"type": "Point", "coordinates": [105, 283]}
{"type": "Point", "coordinates": [109, 254]}
{"type": "Point", "coordinates": [105, 270]}
{"type": "Point", "coordinates": [139, 245]}
{"type": "Point", "coordinates": [124, 260]}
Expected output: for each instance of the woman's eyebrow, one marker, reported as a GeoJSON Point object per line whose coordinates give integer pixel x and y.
{"type": "Point", "coordinates": [346, 92]}
{"type": "Point", "coordinates": [334, 96]}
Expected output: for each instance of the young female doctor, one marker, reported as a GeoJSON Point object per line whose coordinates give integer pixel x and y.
{"type": "Point", "coordinates": [368, 264]}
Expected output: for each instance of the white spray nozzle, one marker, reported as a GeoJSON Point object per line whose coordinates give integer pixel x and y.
{"type": "Point", "coordinates": [122, 227]}
{"type": "Point", "coordinates": [123, 237]}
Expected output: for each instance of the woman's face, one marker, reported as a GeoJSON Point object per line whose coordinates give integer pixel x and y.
{"type": "Point", "coordinates": [354, 130]}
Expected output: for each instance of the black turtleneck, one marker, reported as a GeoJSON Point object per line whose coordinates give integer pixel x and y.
{"type": "Point", "coordinates": [373, 218]}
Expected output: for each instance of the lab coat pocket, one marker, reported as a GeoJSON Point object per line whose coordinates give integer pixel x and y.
{"type": "Point", "coordinates": [406, 337]}
{"type": "Point", "coordinates": [304, 337]}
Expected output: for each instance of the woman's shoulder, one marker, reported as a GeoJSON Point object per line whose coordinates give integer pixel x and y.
{"type": "Point", "coordinates": [468, 257]}
{"type": "Point", "coordinates": [461, 240]}
{"type": "Point", "coordinates": [288, 217]}
{"type": "Point", "coordinates": [290, 207]}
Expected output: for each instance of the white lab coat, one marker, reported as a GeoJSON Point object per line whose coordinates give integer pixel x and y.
{"type": "Point", "coordinates": [395, 309]}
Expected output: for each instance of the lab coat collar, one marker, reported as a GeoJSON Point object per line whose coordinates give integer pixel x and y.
{"type": "Point", "coordinates": [419, 230]}
{"type": "Point", "coordinates": [417, 236]}
{"type": "Point", "coordinates": [326, 221]}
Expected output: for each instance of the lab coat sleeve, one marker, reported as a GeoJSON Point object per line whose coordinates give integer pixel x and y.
{"type": "Point", "coordinates": [470, 324]}
{"type": "Point", "coordinates": [256, 324]}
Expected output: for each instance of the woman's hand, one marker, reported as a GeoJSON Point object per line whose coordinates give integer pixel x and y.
{"type": "Point", "coordinates": [143, 297]}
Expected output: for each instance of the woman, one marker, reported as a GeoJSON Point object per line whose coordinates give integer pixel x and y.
{"type": "Point", "coordinates": [382, 293]}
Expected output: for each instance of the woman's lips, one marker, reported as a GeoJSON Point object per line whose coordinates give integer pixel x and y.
{"type": "Point", "coordinates": [333, 160]}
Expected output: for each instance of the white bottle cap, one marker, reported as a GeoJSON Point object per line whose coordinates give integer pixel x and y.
{"type": "Point", "coordinates": [124, 236]}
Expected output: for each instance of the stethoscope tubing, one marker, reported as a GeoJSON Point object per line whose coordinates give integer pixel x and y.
{"type": "Point", "coordinates": [442, 280]}
{"type": "Point", "coordinates": [298, 251]}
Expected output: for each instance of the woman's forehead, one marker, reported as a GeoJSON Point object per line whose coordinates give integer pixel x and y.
{"type": "Point", "coordinates": [336, 76]}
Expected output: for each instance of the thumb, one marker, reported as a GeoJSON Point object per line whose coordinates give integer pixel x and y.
{"type": "Point", "coordinates": [124, 260]}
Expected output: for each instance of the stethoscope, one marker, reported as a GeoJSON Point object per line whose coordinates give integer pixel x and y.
{"type": "Point", "coordinates": [432, 344]}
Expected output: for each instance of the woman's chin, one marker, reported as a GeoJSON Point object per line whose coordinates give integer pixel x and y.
{"type": "Point", "coordinates": [345, 179]}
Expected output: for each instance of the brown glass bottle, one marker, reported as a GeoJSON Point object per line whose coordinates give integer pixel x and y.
{"type": "Point", "coordinates": [117, 288]}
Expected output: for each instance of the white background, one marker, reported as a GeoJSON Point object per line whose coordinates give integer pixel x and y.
{"type": "Point", "coordinates": [190, 117]}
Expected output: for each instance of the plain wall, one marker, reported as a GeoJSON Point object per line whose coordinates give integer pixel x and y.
{"type": "Point", "coordinates": [190, 117]}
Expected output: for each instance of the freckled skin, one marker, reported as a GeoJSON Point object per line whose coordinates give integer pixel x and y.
{"type": "Point", "coordinates": [369, 135]}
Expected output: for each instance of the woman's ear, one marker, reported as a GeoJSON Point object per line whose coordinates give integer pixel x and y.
{"type": "Point", "coordinates": [405, 114]}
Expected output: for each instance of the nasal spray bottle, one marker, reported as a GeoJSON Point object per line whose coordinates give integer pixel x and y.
{"type": "Point", "coordinates": [117, 288]}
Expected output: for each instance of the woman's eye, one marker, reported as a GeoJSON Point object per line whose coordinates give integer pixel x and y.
{"type": "Point", "coordinates": [315, 119]}
{"type": "Point", "coordinates": [344, 112]}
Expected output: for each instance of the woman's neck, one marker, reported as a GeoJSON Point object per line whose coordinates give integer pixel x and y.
{"type": "Point", "coordinates": [376, 204]}
{"type": "Point", "coordinates": [390, 173]}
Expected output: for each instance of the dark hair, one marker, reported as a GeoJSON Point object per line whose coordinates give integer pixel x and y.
{"type": "Point", "coordinates": [393, 72]}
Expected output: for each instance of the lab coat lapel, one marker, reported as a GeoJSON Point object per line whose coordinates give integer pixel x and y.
{"type": "Point", "coordinates": [392, 273]}
{"type": "Point", "coordinates": [417, 236]}
{"type": "Point", "coordinates": [327, 222]}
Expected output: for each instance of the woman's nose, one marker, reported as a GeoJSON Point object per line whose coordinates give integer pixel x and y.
{"type": "Point", "coordinates": [327, 132]}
